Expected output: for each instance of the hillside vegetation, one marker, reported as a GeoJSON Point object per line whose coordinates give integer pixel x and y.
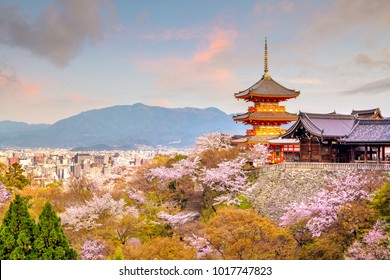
{"type": "Point", "coordinates": [209, 204]}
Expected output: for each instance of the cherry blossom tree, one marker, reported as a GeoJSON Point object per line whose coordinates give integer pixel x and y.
{"type": "Point", "coordinates": [216, 141]}
{"type": "Point", "coordinates": [178, 219]}
{"type": "Point", "coordinates": [322, 208]}
{"type": "Point", "coordinates": [79, 217]}
{"type": "Point", "coordinates": [375, 245]}
{"type": "Point", "coordinates": [201, 244]}
{"type": "Point", "coordinates": [257, 154]}
{"type": "Point", "coordinates": [228, 179]}
{"type": "Point", "coordinates": [5, 194]}
{"type": "Point", "coordinates": [85, 216]}
{"type": "Point", "coordinates": [93, 250]}
{"type": "Point", "coordinates": [137, 195]}
{"type": "Point", "coordinates": [184, 167]}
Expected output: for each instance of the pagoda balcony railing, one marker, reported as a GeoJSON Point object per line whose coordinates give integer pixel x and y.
{"type": "Point", "coordinates": [265, 132]}
{"type": "Point", "coordinates": [266, 108]}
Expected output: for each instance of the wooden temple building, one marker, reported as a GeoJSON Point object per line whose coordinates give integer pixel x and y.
{"type": "Point", "coordinates": [265, 115]}
{"type": "Point", "coordinates": [361, 136]}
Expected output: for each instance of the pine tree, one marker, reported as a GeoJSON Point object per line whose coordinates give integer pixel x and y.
{"type": "Point", "coordinates": [51, 242]}
{"type": "Point", "coordinates": [17, 231]}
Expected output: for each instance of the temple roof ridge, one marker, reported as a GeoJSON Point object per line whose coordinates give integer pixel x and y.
{"type": "Point", "coordinates": [268, 87]}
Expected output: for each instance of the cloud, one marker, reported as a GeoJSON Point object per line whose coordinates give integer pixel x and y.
{"type": "Point", "coordinates": [180, 34]}
{"type": "Point", "coordinates": [305, 81]}
{"type": "Point", "coordinates": [376, 87]}
{"type": "Point", "coordinates": [367, 62]}
{"type": "Point", "coordinates": [219, 41]}
{"type": "Point", "coordinates": [274, 6]}
{"type": "Point", "coordinates": [343, 17]}
{"type": "Point", "coordinates": [58, 33]}
{"type": "Point", "coordinates": [204, 74]}
{"type": "Point", "coordinates": [7, 77]}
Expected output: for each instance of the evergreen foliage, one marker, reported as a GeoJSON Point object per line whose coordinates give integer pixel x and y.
{"type": "Point", "coordinates": [51, 242]}
{"type": "Point", "coordinates": [17, 232]}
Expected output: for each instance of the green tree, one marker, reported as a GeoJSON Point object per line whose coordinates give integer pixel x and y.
{"type": "Point", "coordinates": [381, 202]}
{"type": "Point", "coordinates": [17, 231]}
{"type": "Point", "coordinates": [50, 242]}
{"type": "Point", "coordinates": [14, 177]}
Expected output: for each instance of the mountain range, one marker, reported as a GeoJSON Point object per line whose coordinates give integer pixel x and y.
{"type": "Point", "coordinates": [121, 127]}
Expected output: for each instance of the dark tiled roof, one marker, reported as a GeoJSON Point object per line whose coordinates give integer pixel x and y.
{"type": "Point", "coordinates": [369, 113]}
{"type": "Point", "coordinates": [267, 87]}
{"type": "Point", "coordinates": [324, 125]}
{"type": "Point", "coordinates": [272, 116]}
{"type": "Point", "coordinates": [369, 131]}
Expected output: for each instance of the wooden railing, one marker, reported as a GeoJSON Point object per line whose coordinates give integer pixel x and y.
{"type": "Point", "coordinates": [325, 166]}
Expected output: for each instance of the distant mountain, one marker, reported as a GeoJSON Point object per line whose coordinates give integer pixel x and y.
{"type": "Point", "coordinates": [122, 127]}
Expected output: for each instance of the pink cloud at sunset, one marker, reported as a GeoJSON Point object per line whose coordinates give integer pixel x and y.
{"type": "Point", "coordinates": [220, 40]}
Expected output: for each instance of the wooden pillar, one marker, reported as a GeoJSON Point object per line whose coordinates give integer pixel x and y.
{"type": "Point", "coordinates": [319, 150]}
{"type": "Point", "coordinates": [352, 153]}
{"type": "Point", "coordinates": [293, 153]}
{"type": "Point", "coordinates": [378, 155]}
{"type": "Point", "coordinates": [310, 149]}
{"type": "Point", "coordinates": [383, 153]}
{"type": "Point", "coordinates": [370, 152]}
{"type": "Point", "coordinates": [365, 153]}
{"type": "Point", "coordinates": [300, 149]}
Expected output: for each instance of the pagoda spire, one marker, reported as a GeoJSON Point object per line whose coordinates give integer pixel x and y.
{"type": "Point", "coordinates": [266, 74]}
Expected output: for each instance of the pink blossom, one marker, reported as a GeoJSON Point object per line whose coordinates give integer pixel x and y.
{"type": "Point", "coordinates": [201, 244]}
{"type": "Point", "coordinates": [375, 245]}
{"type": "Point", "coordinates": [322, 209]}
{"type": "Point", "coordinates": [178, 219]}
{"type": "Point", "coordinates": [185, 167]}
{"type": "Point", "coordinates": [228, 179]}
{"type": "Point", "coordinates": [137, 195]}
{"type": "Point", "coordinates": [85, 216]}
{"type": "Point", "coordinates": [258, 154]}
{"type": "Point", "coordinates": [208, 141]}
{"type": "Point", "coordinates": [93, 250]}
{"type": "Point", "coordinates": [4, 194]}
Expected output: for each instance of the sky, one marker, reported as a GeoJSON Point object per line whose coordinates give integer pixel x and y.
{"type": "Point", "coordinates": [59, 58]}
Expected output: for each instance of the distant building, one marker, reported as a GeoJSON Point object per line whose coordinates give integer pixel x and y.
{"type": "Point", "coordinates": [39, 159]}
{"type": "Point", "coordinates": [13, 160]}
{"type": "Point", "coordinates": [100, 160]}
{"type": "Point", "coordinates": [76, 170]}
{"type": "Point", "coordinates": [80, 158]}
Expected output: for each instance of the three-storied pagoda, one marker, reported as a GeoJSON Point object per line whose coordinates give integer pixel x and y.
{"type": "Point", "coordinates": [266, 115]}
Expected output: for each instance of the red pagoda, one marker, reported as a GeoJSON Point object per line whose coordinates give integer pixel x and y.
{"type": "Point", "coordinates": [266, 115]}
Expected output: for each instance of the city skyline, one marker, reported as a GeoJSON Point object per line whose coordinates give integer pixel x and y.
{"type": "Point", "coordinates": [59, 58]}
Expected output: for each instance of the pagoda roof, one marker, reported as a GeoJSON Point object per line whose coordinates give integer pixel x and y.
{"type": "Point", "coordinates": [267, 87]}
{"type": "Point", "coordinates": [266, 116]}
{"type": "Point", "coordinates": [369, 113]}
{"type": "Point", "coordinates": [369, 132]}
{"type": "Point", "coordinates": [323, 125]}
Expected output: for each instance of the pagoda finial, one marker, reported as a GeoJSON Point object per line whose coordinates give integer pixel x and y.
{"type": "Point", "coordinates": [266, 74]}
